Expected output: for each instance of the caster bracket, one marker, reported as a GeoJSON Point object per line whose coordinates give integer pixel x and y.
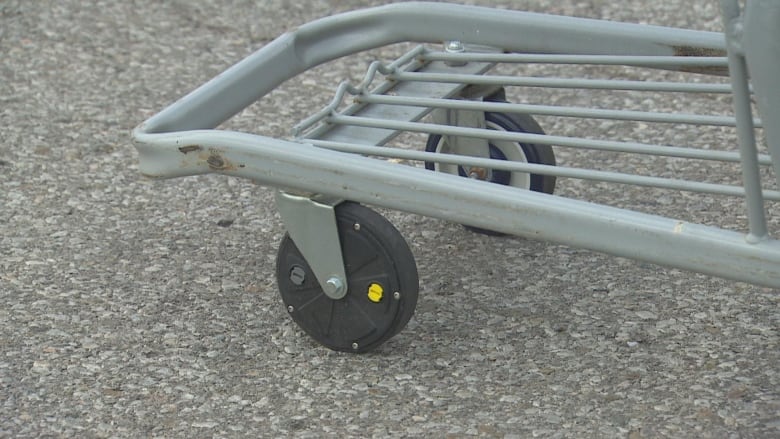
{"type": "Point", "coordinates": [469, 146]}
{"type": "Point", "coordinates": [312, 227]}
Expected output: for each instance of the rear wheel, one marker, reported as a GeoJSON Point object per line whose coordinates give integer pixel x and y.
{"type": "Point", "coordinates": [503, 150]}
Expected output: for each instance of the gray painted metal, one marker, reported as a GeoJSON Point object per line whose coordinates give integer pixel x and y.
{"type": "Point", "coordinates": [760, 33]}
{"type": "Point", "coordinates": [745, 129]}
{"type": "Point", "coordinates": [406, 61]}
{"type": "Point", "coordinates": [552, 110]}
{"type": "Point", "coordinates": [312, 227]}
{"type": "Point", "coordinates": [591, 84]}
{"type": "Point", "coordinates": [371, 136]}
{"type": "Point", "coordinates": [333, 37]}
{"type": "Point", "coordinates": [573, 142]}
{"type": "Point", "coordinates": [666, 62]}
{"type": "Point", "coordinates": [558, 171]}
{"type": "Point", "coordinates": [471, 146]}
{"type": "Point", "coordinates": [180, 140]}
{"type": "Point", "coordinates": [619, 232]}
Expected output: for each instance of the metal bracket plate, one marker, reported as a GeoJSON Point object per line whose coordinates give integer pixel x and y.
{"type": "Point", "coordinates": [465, 146]}
{"type": "Point", "coordinates": [470, 146]}
{"type": "Point", "coordinates": [312, 227]}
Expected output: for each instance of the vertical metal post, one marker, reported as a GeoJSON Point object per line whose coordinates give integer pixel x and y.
{"type": "Point", "coordinates": [751, 177]}
{"type": "Point", "coordinates": [761, 41]}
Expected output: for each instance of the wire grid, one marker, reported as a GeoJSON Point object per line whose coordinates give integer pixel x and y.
{"type": "Point", "coordinates": [622, 120]}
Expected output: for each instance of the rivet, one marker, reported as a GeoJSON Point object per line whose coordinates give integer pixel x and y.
{"type": "Point", "coordinates": [290, 308]}
{"type": "Point", "coordinates": [357, 227]}
{"type": "Point", "coordinates": [355, 346]}
{"type": "Point", "coordinates": [396, 295]}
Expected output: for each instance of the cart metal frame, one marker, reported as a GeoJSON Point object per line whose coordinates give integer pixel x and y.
{"type": "Point", "coordinates": [327, 162]}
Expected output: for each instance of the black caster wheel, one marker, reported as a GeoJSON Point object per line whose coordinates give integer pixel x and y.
{"type": "Point", "coordinates": [381, 280]}
{"type": "Point", "coordinates": [504, 150]}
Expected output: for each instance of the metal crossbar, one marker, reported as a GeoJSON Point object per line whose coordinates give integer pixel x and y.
{"type": "Point", "coordinates": [583, 84]}
{"type": "Point", "coordinates": [454, 89]}
{"type": "Point", "coordinates": [558, 171]}
{"type": "Point", "coordinates": [553, 110]}
{"type": "Point", "coordinates": [543, 139]}
{"type": "Point", "coordinates": [410, 68]}
{"type": "Point", "coordinates": [606, 60]}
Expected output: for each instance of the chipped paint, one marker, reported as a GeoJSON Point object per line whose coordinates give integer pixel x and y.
{"type": "Point", "coordinates": [702, 51]}
{"type": "Point", "coordinates": [190, 148]}
{"type": "Point", "coordinates": [698, 51]}
{"type": "Point", "coordinates": [216, 162]}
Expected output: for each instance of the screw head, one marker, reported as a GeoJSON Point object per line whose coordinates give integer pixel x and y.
{"type": "Point", "coordinates": [356, 227]}
{"type": "Point", "coordinates": [355, 346]}
{"type": "Point", "coordinates": [454, 46]}
{"type": "Point", "coordinates": [396, 295]}
{"type": "Point", "coordinates": [290, 308]}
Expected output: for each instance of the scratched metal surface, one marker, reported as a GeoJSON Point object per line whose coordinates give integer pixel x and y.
{"type": "Point", "coordinates": [149, 308]}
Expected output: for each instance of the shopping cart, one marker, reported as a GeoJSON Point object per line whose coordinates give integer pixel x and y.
{"type": "Point", "coordinates": [346, 275]}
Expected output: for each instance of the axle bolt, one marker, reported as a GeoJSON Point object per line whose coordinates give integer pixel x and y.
{"type": "Point", "coordinates": [454, 47]}
{"type": "Point", "coordinates": [334, 286]}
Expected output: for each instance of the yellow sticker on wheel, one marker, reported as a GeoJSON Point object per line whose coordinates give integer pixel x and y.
{"type": "Point", "coordinates": [375, 292]}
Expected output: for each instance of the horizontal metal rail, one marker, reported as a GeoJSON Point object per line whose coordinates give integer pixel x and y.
{"type": "Point", "coordinates": [558, 171]}
{"type": "Point", "coordinates": [180, 140]}
{"type": "Point", "coordinates": [543, 139]}
{"type": "Point", "coordinates": [552, 110]}
{"type": "Point", "coordinates": [293, 166]}
{"type": "Point", "coordinates": [606, 60]}
{"type": "Point", "coordinates": [333, 37]}
{"type": "Point", "coordinates": [589, 84]}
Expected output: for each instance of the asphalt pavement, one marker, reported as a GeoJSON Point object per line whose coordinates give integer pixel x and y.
{"type": "Point", "coordinates": [141, 308]}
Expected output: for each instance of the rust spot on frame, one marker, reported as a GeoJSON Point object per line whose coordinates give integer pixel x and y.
{"type": "Point", "coordinates": [189, 148]}
{"type": "Point", "coordinates": [697, 51]}
{"type": "Point", "coordinates": [702, 51]}
{"type": "Point", "coordinates": [218, 162]}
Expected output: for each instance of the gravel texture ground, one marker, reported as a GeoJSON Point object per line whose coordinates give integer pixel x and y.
{"type": "Point", "coordinates": [138, 308]}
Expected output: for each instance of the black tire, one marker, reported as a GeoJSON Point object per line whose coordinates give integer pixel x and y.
{"type": "Point", "coordinates": [506, 150]}
{"type": "Point", "coordinates": [374, 253]}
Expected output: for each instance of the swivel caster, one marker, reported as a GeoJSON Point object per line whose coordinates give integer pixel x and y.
{"type": "Point", "coordinates": [381, 287]}
{"type": "Point", "coordinates": [502, 150]}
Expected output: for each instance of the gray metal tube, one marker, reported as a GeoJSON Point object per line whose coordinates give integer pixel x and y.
{"type": "Point", "coordinates": [541, 139]}
{"type": "Point", "coordinates": [751, 178]}
{"type": "Point", "coordinates": [291, 165]}
{"type": "Point", "coordinates": [761, 42]}
{"type": "Point", "coordinates": [533, 168]}
{"type": "Point", "coordinates": [340, 35]}
{"type": "Point", "coordinates": [590, 84]}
